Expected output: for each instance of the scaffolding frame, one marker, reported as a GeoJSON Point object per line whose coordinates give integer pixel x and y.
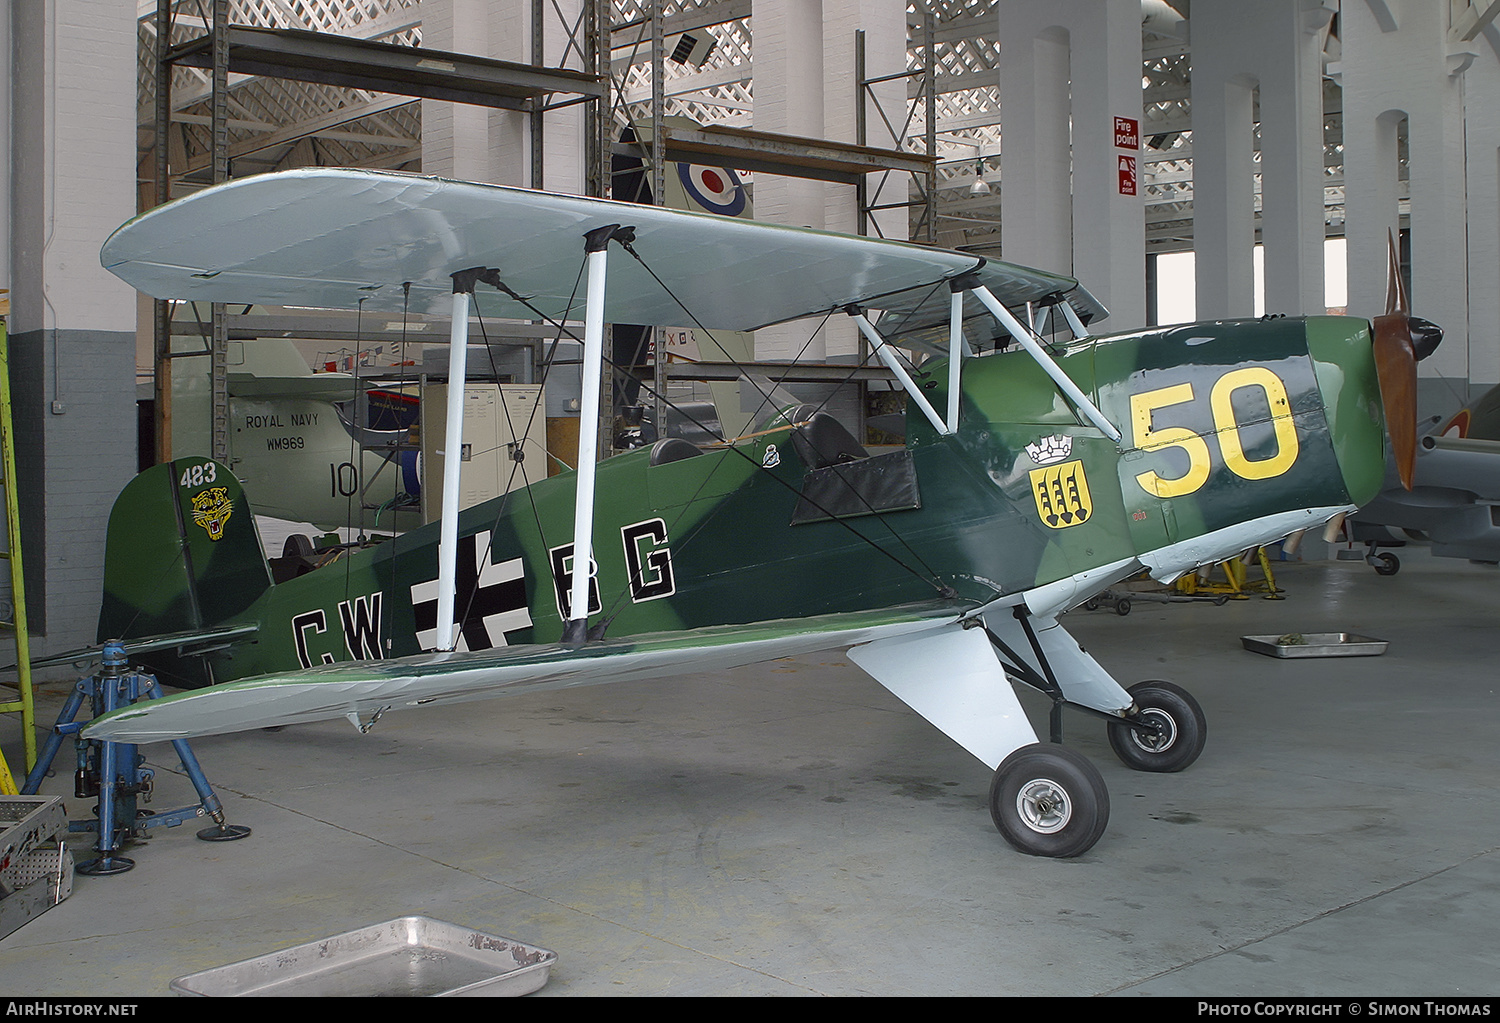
{"type": "Point", "coordinates": [24, 703]}
{"type": "Point", "coordinates": [330, 59]}
{"type": "Point", "coordinates": [534, 88]}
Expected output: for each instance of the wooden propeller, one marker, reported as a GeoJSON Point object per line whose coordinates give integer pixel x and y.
{"type": "Point", "coordinates": [1396, 369]}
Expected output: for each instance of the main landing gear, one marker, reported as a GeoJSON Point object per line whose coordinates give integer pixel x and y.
{"type": "Point", "coordinates": [1048, 800]}
{"type": "Point", "coordinates": [1167, 732]}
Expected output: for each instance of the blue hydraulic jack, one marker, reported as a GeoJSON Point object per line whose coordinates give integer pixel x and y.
{"type": "Point", "coordinates": [112, 771]}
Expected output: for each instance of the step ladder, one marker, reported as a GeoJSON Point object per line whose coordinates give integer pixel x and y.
{"type": "Point", "coordinates": [16, 623]}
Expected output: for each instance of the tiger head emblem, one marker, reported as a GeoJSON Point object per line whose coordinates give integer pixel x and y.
{"type": "Point", "coordinates": [211, 510]}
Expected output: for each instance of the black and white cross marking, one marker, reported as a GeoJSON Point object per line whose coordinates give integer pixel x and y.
{"type": "Point", "coordinates": [491, 598]}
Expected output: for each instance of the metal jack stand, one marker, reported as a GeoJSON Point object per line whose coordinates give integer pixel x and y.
{"type": "Point", "coordinates": [112, 771]}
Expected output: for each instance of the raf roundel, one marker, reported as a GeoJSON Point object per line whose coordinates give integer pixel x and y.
{"type": "Point", "coordinates": [716, 189]}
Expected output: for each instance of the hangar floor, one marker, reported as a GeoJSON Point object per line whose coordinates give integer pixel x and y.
{"type": "Point", "coordinates": [794, 830]}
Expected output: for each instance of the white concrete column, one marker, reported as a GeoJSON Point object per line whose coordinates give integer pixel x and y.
{"type": "Point", "coordinates": [1399, 62]}
{"type": "Point", "coordinates": [456, 136]}
{"type": "Point", "coordinates": [475, 143]}
{"type": "Point", "coordinates": [564, 146]}
{"type": "Point", "coordinates": [789, 84]}
{"type": "Point", "coordinates": [1482, 115]}
{"type": "Point", "coordinates": [1293, 227]}
{"type": "Point", "coordinates": [1276, 55]}
{"type": "Point", "coordinates": [806, 84]}
{"type": "Point", "coordinates": [1067, 69]}
{"type": "Point", "coordinates": [1036, 197]}
{"type": "Point", "coordinates": [884, 26]}
{"type": "Point", "coordinates": [1224, 195]}
{"type": "Point", "coordinates": [72, 135]}
{"type": "Point", "coordinates": [1109, 226]}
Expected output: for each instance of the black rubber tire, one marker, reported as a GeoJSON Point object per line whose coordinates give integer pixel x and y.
{"type": "Point", "coordinates": [1385, 564]}
{"type": "Point", "coordinates": [1185, 730]}
{"type": "Point", "coordinates": [1047, 800]}
{"type": "Point", "coordinates": [1122, 607]}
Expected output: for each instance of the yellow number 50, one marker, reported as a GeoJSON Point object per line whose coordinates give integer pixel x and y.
{"type": "Point", "coordinates": [1149, 438]}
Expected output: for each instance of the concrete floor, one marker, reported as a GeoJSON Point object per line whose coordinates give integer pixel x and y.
{"type": "Point", "coordinates": [792, 829]}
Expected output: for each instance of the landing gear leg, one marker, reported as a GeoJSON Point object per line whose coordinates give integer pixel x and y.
{"type": "Point", "coordinates": [1045, 799]}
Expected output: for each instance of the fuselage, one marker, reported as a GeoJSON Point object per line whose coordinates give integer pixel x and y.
{"type": "Point", "coordinates": [1224, 424]}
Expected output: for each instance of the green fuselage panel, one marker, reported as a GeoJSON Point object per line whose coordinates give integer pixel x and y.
{"type": "Point", "coordinates": [1222, 423]}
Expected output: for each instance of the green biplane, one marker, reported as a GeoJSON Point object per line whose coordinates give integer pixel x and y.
{"type": "Point", "coordinates": [1035, 474]}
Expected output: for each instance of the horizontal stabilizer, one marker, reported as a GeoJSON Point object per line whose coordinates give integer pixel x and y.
{"type": "Point", "coordinates": [315, 386]}
{"type": "Point", "coordinates": [365, 688]}
{"type": "Point", "coordinates": [192, 641]}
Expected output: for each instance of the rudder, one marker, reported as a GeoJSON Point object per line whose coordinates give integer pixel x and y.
{"type": "Point", "coordinates": [181, 553]}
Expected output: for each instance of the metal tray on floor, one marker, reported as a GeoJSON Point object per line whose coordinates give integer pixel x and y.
{"type": "Point", "coordinates": [409, 956]}
{"type": "Point", "coordinates": [1316, 644]}
{"type": "Point", "coordinates": [36, 869]}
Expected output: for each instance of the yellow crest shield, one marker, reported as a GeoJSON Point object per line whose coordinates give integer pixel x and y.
{"type": "Point", "coordinates": [1062, 494]}
{"type": "Point", "coordinates": [211, 510]}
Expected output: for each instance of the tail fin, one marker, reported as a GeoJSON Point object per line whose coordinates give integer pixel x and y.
{"type": "Point", "coordinates": [182, 552]}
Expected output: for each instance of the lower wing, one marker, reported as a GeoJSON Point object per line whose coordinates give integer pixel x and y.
{"type": "Point", "coordinates": [371, 688]}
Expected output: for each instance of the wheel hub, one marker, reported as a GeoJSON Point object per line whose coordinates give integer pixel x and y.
{"type": "Point", "coordinates": [1162, 733]}
{"type": "Point", "coordinates": [1043, 804]}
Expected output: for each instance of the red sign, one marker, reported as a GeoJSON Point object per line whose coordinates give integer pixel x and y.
{"type": "Point", "coordinates": [1127, 133]}
{"type": "Point", "coordinates": [1127, 175]}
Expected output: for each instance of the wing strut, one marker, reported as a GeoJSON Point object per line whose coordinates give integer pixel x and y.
{"type": "Point", "coordinates": [453, 442]}
{"type": "Point", "coordinates": [1074, 323]}
{"type": "Point", "coordinates": [893, 364]}
{"type": "Point", "coordinates": [1052, 369]}
{"type": "Point", "coordinates": [453, 439]}
{"type": "Point", "coordinates": [956, 352]}
{"type": "Point", "coordinates": [596, 245]}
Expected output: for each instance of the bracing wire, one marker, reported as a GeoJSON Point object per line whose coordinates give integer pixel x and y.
{"type": "Point", "coordinates": [765, 397]}
{"type": "Point", "coordinates": [930, 578]}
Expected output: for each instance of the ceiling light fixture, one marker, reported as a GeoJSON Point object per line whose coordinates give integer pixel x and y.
{"type": "Point", "coordinates": [980, 187]}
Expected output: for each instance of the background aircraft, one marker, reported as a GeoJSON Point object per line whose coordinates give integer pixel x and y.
{"type": "Point", "coordinates": [297, 442]}
{"type": "Point", "coordinates": [701, 189]}
{"type": "Point", "coordinates": [1455, 491]}
{"type": "Point", "coordinates": [1032, 478]}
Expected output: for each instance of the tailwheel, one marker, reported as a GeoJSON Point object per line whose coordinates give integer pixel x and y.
{"type": "Point", "coordinates": [1177, 729]}
{"type": "Point", "coordinates": [1049, 801]}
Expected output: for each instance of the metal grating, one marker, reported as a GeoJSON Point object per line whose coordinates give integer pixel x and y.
{"type": "Point", "coordinates": [278, 123]}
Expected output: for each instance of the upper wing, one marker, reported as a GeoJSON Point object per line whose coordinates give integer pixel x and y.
{"type": "Point", "coordinates": [369, 687]}
{"type": "Point", "coordinates": [337, 238]}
